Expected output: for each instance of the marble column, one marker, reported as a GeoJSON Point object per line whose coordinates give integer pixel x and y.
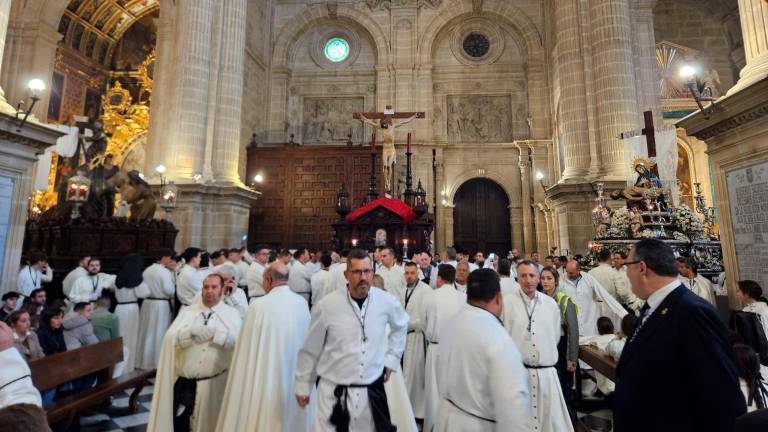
{"type": "Point", "coordinates": [525, 185]}
{"type": "Point", "coordinates": [572, 104]}
{"type": "Point", "coordinates": [226, 136]}
{"type": "Point", "coordinates": [754, 29]}
{"type": "Point", "coordinates": [614, 81]}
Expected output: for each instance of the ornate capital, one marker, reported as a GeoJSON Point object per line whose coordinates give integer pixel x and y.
{"type": "Point", "coordinates": [388, 4]}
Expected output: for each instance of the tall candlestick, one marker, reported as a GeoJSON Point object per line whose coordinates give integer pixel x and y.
{"type": "Point", "coordinates": [373, 143]}
{"type": "Point", "coordinates": [408, 145]}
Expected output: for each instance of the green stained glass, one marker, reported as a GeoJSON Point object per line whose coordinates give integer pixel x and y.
{"type": "Point", "coordinates": [336, 49]}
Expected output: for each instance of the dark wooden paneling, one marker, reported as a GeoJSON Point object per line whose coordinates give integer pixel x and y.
{"type": "Point", "coordinates": [481, 217]}
{"type": "Point", "coordinates": [297, 206]}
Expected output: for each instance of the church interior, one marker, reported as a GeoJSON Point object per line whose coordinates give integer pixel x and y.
{"type": "Point", "coordinates": [517, 128]}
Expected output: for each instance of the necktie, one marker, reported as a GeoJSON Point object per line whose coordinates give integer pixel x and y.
{"type": "Point", "coordinates": [640, 320]}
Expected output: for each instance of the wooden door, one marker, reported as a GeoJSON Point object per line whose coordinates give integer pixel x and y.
{"type": "Point", "coordinates": [481, 218]}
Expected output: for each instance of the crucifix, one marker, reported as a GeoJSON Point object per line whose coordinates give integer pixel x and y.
{"type": "Point", "coordinates": [386, 121]}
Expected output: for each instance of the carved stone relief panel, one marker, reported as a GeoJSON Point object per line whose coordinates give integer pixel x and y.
{"type": "Point", "coordinates": [479, 118]}
{"type": "Point", "coordinates": [329, 120]}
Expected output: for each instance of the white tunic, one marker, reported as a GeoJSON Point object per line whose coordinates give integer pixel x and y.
{"type": "Point", "coordinates": [593, 302]}
{"type": "Point", "coordinates": [480, 370]}
{"type": "Point", "coordinates": [700, 286]}
{"type": "Point", "coordinates": [433, 276]}
{"type": "Point", "coordinates": [414, 358]}
{"type": "Point", "coordinates": [209, 361]}
{"type": "Point", "coordinates": [30, 279]}
{"type": "Point", "coordinates": [508, 285]}
{"type": "Point", "coordinates": [189, 283]}
{"type": "Point", "coordinates": [534, 325]}
{"type": "Point", "coordinates": [265, 357]}
{"type": "Point", "coordinates": [71, 277]}
{"type": "Point", "coordinates": [348, 345]}
{"type": "Point", "coordinates": [336, 279]}
{"type": "Point", "coordinates": [156, 315]}
{"type": "Point", "coordinates": [607, 276]}
{"type": "Point", "coordinates": [318, 283]}
{"type": "Point", "coordinates": [394, 281]}
{"type": "Point", "coordinates": [298, 280]}
{"type": "Point", "coordinates": [15, 380]}
{"type": "Point", "coordinates": [88, 288]}
{"type": "Point", "coordinates": [439, 307]}
{"type": "Point", "coordinates": [254, 279]}
{"type": "Point", "coordinates": [127, 312]}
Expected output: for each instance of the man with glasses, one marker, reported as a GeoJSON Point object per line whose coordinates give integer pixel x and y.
{"type": "Point", "coordinates": [254, 277]}
{"type": "Point", "coordinates": [676, 371]}
{"type": "Point", "coordinates": [348, 354]}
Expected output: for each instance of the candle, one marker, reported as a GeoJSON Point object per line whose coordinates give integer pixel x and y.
{"type": "Point", "coordinates": [354, 242]}
{"type": "Point", "coordinates": [373, 143]}
{"type": "Point", "coordinates": [408, 145]}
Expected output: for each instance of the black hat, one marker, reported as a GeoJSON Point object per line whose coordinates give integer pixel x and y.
{"type": "Point", "coordinates": [10, 295]}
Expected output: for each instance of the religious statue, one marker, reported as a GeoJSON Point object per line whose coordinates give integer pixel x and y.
{"type": "Point", "coordinates": [386, 121]}
{"type": "Point", "coordinates": [646, 180]}
{"type": "Point", "coordinates": [98, 142]}
{"type": "Point", "coordinates": [136, 192]}
{"type": "Point", "coordinates": [102, 194]}
{"type": "Point", "coordinates": [603, 222]}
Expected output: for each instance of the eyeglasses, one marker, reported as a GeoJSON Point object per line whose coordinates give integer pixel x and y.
{"type": "Point", "coordinates": [626, 263]}
{"type": "Point", "coordinates": [359, 273]}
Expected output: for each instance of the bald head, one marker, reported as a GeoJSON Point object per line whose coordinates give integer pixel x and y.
{"type": "Point", "coordinates": [573, 269]}
{"type": "Point", "coordinates": [276, 274]}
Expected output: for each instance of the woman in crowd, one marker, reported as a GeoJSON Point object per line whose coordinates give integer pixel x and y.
{"type": "Point", "coordinates": [752, 296]}
{"type": "Point", "coordinates": [127, 311]}
{"type": "Point", "coordinates": [51, 334]}
{"type": "Point", "coordinates": [568, 347]}
{"type": "Point", "coordinates": [752, 384]}
{"type": "Point", "coordinates": [24, 339]}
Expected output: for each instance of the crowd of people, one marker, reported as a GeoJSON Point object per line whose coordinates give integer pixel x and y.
{"type": "Point", "coordinates": [356, 340]}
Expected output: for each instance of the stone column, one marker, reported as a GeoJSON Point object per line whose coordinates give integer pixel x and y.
{"type": "Point", "coordinates": [614, 81]}
{"type": "Point", "coordinates": [163, 95]}
{"type": "Point", "coordinates": [754, 30]}
{"type": "Point", "coordinates": [5, 11]}
{"type": "Point", "coordinates": [572, 104]}
{"type": "Point", "coordinates": [226, 136]}
{"type": "Point", "coordinates": [525, 204]}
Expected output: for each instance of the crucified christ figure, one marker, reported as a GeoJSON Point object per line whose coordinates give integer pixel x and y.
{"type": "Point", "coordinates": [386, 122]}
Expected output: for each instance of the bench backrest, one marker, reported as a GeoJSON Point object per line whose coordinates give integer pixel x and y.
{"type": "Point", "coordinates": [54, 370]}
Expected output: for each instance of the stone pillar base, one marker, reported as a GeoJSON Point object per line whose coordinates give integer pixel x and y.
{"type": "Point", "coordinates": [573, 205]}
{"type": "Point", "coordinates": [210, 216]}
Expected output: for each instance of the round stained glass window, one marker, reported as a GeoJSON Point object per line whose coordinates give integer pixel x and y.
{"type": "Point", "coordinates": [476, 45]}
{"type": "Point", "coordinates": [336, 49]}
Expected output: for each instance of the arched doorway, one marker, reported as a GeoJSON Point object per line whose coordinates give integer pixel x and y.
{"type": "Point", "coordinates": [481, 217]}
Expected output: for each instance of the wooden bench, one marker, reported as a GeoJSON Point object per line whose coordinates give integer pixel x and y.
{"type": "Point", "coordinates": [599, 360]}
{"type": "Point", "coordinates": [99, 359]}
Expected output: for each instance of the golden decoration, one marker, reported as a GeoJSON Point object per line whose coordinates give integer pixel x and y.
{"type": "Point", "coordinates": [147, 71]}
{"type": "Point", "coordinates": [123, 119]}
{"type": "Point", "coordinates": [645, 162]}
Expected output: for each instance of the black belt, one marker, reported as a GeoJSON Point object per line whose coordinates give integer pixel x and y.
{"type": "Point", "coordinates": [207, 378]}
{"type": "Point", "coordinates": [431, 342]}
{"type": "Point", "coordinates": [16, 380]}
{"type": "Point", "coordinates": [158, 298]}
{"type": "Point", "coordinates": [133, 302]}
{"type": "Point", "coordinates": [537, 367]}
{"type": "Point", "coordinates": [377, 402]}
{"type": "Point", "coordinates": [469, 413]}
{"type": "Point", "coordinates": [411, 331]}
{"type": "Point", "coordinates": [184, 396]}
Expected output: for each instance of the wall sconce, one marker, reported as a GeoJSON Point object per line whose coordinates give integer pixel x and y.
{"type": "Point", "coordinates": [258, 178]}
{"type": "Point", "coordinates": [699, 90]}
{"type": "Point", "coordinates": [540, 177]}
{"type": "Point", "coordinates": [35, 86]}
{"type": "Point", "coordinates": [160, 170]}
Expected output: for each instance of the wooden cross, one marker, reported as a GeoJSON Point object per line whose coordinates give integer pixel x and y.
{"type": "Point", "coordinates": [389, 115]}
{"type": "Point", "coordinates": [649, 131]}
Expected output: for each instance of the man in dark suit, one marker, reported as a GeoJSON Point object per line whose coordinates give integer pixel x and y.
{"type": "Point", "coordinates": [676, 372]}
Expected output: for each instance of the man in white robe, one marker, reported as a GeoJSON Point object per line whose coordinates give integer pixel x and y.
{"type": "Point", "coordinates": [439, 307]}
{"type": "Point", "coordinates": [319, 280]}
{"type": "Point", "coordinates": [591, 298]}
{"type": "Point", "coordinates": [190, 279]}
{"type": "Point", "coordinates": [233, 295]}
{"type": "Point", "coordinates": [394, 278]}
{"type": "Point", "coordinates": [88, 288]}
{"type": "Point", "coordinates": [197, 352]}
{"type": "Point", "coordinates": [533, 320]}
{"type": "Point", "coordinates": [157, 309]}
{"type": "Point", "coordinates": [347, 351]}
{"type": "Point", "coordinates": [462, 276]}
{"type": "Point", "coordinates": [129, 280]}
{"type": "Point", "coordinates": [255, 272]}
{"type": "Point", "coordinates": [235, 258]}
{"type": "Point", "coordinates": [15, 377]}
{"type": "Point", "coordinates": [299, 279]}
{"type": "Point", "coordinates": [507, 283]}
{"type": "Point", "coordinates": [605, 274]}
{"type": "Point", "coordinates": [450, 259]}
{"type": "Point", "coordinates": [75, 274]}
{"type": "Point", "coordinates": [695, 282]}
{"type": "Point", "coordinates": [336, 279]}
{"type": "Point", "coordinates": [414, 358]}
{"type": "Point", "coordinates": [32, 275]}
{"type": "Point", "coordinates": [483, 384]}
{"type": "Point", "coordinates": [265, 358]}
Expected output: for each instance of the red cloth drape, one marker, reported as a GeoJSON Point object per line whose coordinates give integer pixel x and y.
{"type": "Point", "coordinates": [394, 205]}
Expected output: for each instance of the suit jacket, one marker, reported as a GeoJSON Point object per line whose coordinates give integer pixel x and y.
{"type": "Point", "coordinates": [678, 374]}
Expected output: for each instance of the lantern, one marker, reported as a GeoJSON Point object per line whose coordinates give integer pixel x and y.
{"type": "Point", "coordinates": [78, 189]}
{"type": "Point", "coordinates": [169, 194]}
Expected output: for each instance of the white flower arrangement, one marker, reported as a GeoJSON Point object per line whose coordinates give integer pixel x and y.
{"type": "Point", "coordinates": [681, 237]}
{"type": "Point", "coordinates": [688, 223]}
{"type": "Point", "coordinates": [619, 223]}
{"type": "Point", "coordinates": [646, 233]}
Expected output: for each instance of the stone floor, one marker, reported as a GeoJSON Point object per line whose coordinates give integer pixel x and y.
{"type": "Point", "coordinates": [597, 421]}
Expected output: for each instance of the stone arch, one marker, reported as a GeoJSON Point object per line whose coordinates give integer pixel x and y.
{"type": "Point", "coordinates": [483, 222]}
{"type": "Point", "coordinates": [524, 29]}
{"type": "Point", "coordinates": [316, 15]}
{"type": "Point", "coordinates": [494, 175]}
